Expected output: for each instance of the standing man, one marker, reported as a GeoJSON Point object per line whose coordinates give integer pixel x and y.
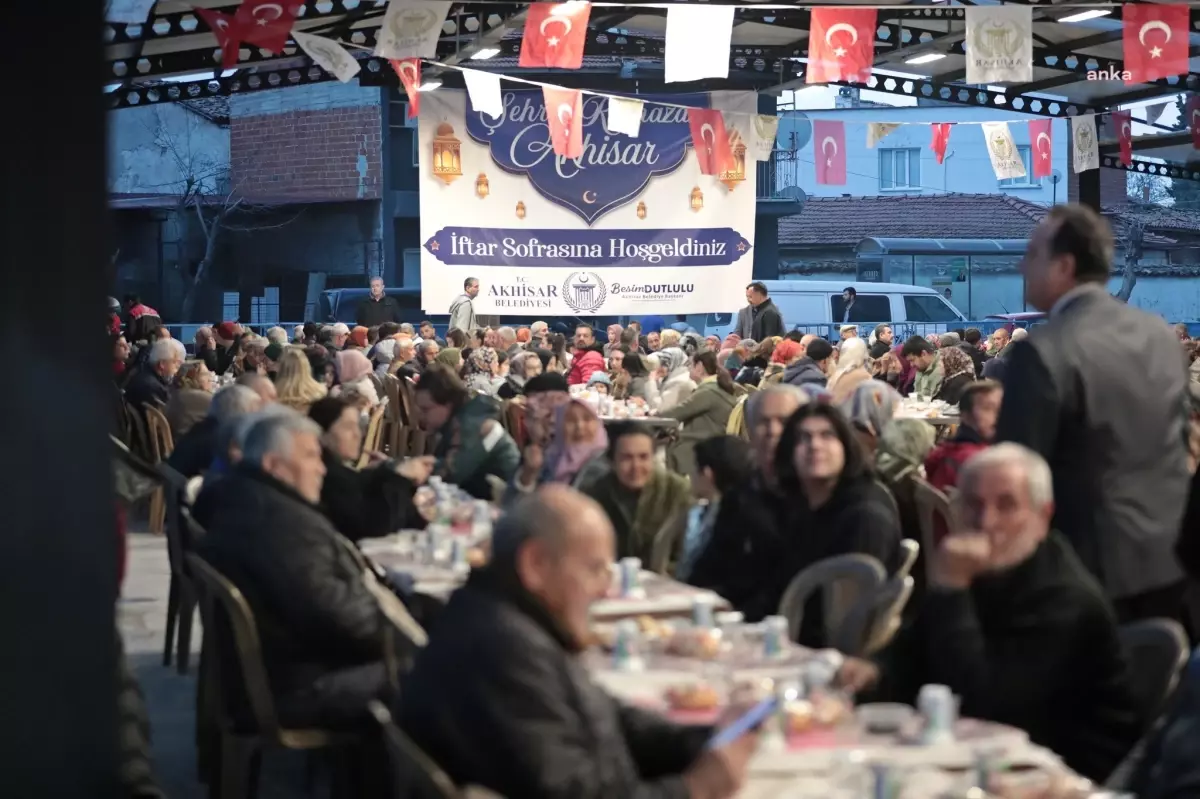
{"type": "Point", "coordinates": [760, 319]}
{"type": "Point", "coordinates": [1109, 420]}
{"type": "Point", "coordinates": [378, 307]}
{"type": "Point", "coordinates": [462, 310]}
{"type": "Point", "coordinates": [849, 295]}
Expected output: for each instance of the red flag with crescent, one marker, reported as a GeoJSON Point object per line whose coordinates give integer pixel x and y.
{"type": "Point", "coordinates": [841, 45]}
{"type": "Point", "coordinates": [829, 139]}
{"type": "Point", "coordinates": [1193, 119]}
{"type": "Point", "coordinates": [226, 28]}
{"type": "Point", "coordinates": [1123, 123]}
{"type": "Point", "coordinates": [1041, 136]}
{"type": "Point", "coordinates": [267, 23]}
{"type": "Point", "coordinates": [409, 72]}
{"type": "Point", "coordinates": [555, 34]}
{"type": "Point", "coordinates": [564, 116]}
{"type": "Point", "coordinates": [1156, 40]}
{"type": "Point", "coordinates": [710, 141]}
{"type": "Point", "coordinates": [940, 140]}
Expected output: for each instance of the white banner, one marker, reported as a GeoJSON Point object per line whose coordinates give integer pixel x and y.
{"type": "Point", "coordinates": [631, 227]}
{"type": "Point", "coordinates": [1086, 147]}
{"type": "Point", "coordinates": [1006, 159]}
{"type": "Point", "coordinates": [411, 28]}
{"type": "Point", "coordinates": [999, 44]}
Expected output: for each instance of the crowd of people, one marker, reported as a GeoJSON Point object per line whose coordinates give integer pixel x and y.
{"type": "Point", "coordinates": [1070, 471]}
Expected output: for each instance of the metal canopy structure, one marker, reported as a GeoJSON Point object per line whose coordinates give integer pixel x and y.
{"type": "Point", "coordinates": [885, 246]}
{"type": "Point", "coordinates": [625, 51]}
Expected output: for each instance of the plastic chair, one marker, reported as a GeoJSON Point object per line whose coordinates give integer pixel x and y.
{"type": "Point", "coordinates": [887, 612]}
{"type": "Point", "coordinates": [909, 550]}
{"type": "Point", "coordinates": [181, 597]}
{"type": "Point", "coordinates": [1157, 650]}
{"type": "Point", "coordinates": [845, 581]}
{"type": "Point", "coordinates": [931, 505]}
{"type": "Point", "coordinates": [241, 751]}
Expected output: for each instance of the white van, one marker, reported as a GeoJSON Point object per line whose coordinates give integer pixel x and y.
{"type": "Point", "coordinates": [816, 306]}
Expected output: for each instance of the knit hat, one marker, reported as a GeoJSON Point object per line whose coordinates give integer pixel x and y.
{"type": "Point", "coordinates": [226, 331]}
{"type": "Point", "coordinates": [599, 377]}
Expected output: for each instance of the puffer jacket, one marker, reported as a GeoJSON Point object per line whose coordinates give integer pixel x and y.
{"type": "Point", "coordinates": [584, 364]}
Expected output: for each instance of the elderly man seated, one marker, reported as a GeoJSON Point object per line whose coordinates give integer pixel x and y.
{"type": "Point", "coordinates": [195, 451]}
{"type": "Point", "coordinates": [151, 385]}
{"type": "Point", "coordinates": [327, 628]}
{"type": "Point", "coordinates": [1015, 625]}
{"type": "Point", "coordinates": [500, 699]}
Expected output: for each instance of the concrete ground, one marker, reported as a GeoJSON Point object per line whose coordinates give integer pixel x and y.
{"type": "Point", "coordinates": [171, 697]}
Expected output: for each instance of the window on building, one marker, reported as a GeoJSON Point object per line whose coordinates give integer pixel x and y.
{"type": "Point", "coordinates": [900, 168]}
{"type": "Point", "coordinates": [927, 308]}
{"type": "Point", "coordinates": [1029, 180]}
{"type": "Point", "coordinates": [231, 305]}
{"type": "Point", "coordinates": [264, 310]}
{"type": "Point", "coordinates": [866, 308]}
{"type": "Point", "coordinates": [411, 276]}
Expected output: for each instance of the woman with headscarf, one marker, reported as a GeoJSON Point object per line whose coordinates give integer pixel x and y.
{"type": "Point", "coordinates": [871, 408]}
{"type": "Point", "coordinates": [356, 378]}
{"type": "Point", "coordinates": [451, 357]}
{"type": "Point", "coordinates": [521, 368]}
{"type": "Point", "coordinates": [959, 372]}
{"type": "Point", "coordinates": [479, 369]}
{"type": "Point", "coordinates": [851, 370]}
{"type": "Point", "coordinates": [899, 461]}
{"type": "Point", "coordinates": [574, 455]}
{"type": "Point", "coordinates": [677, 385]}
{"type": "Point", "coordinates": [713, 343]}
{"type": "Point", "coordinates": [359, 336]}
{"type": "Point", "coordinates": [385, 353]}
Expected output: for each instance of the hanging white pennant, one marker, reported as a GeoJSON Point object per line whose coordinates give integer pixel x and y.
{"type": "Point", "coordinates": [1006, 160]}
{"type": "Point", "coordinates": [329, 55]}
{"type": "Point", "coordinates": [411, 28]}
{"type": "Point", "coordinates": [131, 12]}
{"type": "Point", "coordinates": [624, 116]}
{"type": "Point", "coordinates": [698, 38]}
{"type": "Point", "coordinates": [766, 128]}
{"type": "Point", "coordinates": [877, 130]}
{"type": "Point", "coordinates": [1086, 148]}
{"type": "Point", "coordinates": [483, 89]}
{"type": "Point", "coordinates": [999, 44]}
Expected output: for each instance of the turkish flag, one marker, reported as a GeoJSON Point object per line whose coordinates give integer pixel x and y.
{"type": "Point", "coordinates": [941, 139]}
{"type": "Point", "coordinates": [225, 27]}
{"type": "Point", "coordinates": [829, 139]}
{"type": "Point", "coordinates": [409, 72]}
{"type": "Point", "coordinates": [1123, 123]}
{"type": "Point", "coordinates": [841, 45]}
{"type": "Point", "coordinates": [564, 116]}
{"type": "Point", "coordinates": [1156, 40]}
{"type": "Point", "coordinates": [267, 23]}
{"type": "Point", "coordinates": [710, 140]}
{"type": "Point", "coordinates": [1193, 119]}
{"type": "Point", "coordinates": [1041, 136]}
{"type": "Point", "coordinates": [555, 34]}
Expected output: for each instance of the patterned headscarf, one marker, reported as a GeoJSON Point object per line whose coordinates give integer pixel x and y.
{"type": "Point", "coordinates": [565, 460]}
{"type": "Point", "coordinates": [671, 358]}
{"type": "Point", "coordinates": [351, 365]}
{"type": "Point", "coordinates": [481, 361]}
{"type": "Point", "coordinates": [539, 415]}
{"type": "Point", "coordinates": [451, 356]}
{"type": "Point", "coordinates": [903, 447]}
{"type": "Point", "coordinates": [955, 362]}
{"type": "Point", "coordinates": [872, 406]}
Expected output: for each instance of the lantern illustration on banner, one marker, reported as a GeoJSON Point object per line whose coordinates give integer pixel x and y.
{"type": "Point", "coordinates": [481, 186]}
{"type": "Point", "coordinates": [641, 210]}
{"type": "Point", "coordinates": [697, 199]}
{"type": "Point", "coordinates": [737, 174]}
{"type": "Point", "coordinates": [447, 154]}
{"type": "Point", "coordinates": [520, 210]}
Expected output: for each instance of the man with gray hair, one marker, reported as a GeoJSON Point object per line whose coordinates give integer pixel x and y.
{"type": "Point", "coordinates": [277, 335]}
{"type": "Point", "coordinates": [500, 700]}
{"type": "Point", "coordinates": [151, 385]}
{"type": "Point", "coordinates": [1015, 625]}
{"type": "Point", "coordinates": [406, 329]}
{"type": "Point", "coordinates": [196, 450]}
{"type": "Point", "coordinates": [325, 636]}
{"type": "Point", "coordinates": [745, 542]}
{"type": "Point", "coordinates": [426, 350]}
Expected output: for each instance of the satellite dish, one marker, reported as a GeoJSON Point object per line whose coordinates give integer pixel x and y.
{"type": "Point", "coordinates": [1055, 177]}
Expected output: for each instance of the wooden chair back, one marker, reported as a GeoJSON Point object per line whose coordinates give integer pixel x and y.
{"type": "Point", "coordinates": [161, 442]}
{"type": "Point", "coordinates": [373, 437]}
{"type": "Point", "coordinates": [418, 441]}
{"type": "Point", "coordinates": [396, 439]}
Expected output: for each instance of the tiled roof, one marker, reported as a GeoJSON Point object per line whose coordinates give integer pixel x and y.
{"type": "Point", "coordinates": [845, 221]}
{"type": "Point", "coordinates": [849, 220]}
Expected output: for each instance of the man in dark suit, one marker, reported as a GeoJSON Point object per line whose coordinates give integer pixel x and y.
{"type": "Point", "coordinates": [1100, 392]}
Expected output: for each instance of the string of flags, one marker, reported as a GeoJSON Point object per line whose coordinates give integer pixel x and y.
{"type": "Point", "coordinates": [999, 49]}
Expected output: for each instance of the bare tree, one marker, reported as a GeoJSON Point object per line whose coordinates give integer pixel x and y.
{"type": "Point", "coordinates": [1148, 189]}
{"type": "Point", "coordinates": [1133, 238]}
{"type": "Point", "coordinates": [207, 198]}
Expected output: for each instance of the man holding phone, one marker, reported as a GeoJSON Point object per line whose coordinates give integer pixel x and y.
{"type": "Point", "coordinates": [500, 699]}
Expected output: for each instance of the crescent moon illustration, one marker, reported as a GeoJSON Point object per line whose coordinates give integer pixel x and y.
{"type": "Point", "coordinates": [843, 26]}
{"type": "Point", "coordinates": [592, 200]}
{"type": "Point", "coordinates": [565, 108]}
{"type": "Point", "coordinates": [1152, 25]}
{"type": "Point", "coordinates": [223, 23]}
{"type": "Point", "coordinates": [278, 9]}
{"type": "Point", "coordinates": [711, 133]}
{"type": "Point", "coordinates": [561, 20]}
{"type": "Point", "coordinates": [410, 69]}
{"type": "Point", "coordinates": [1125, 129]}
{"type": "Point", "coordinates": [1041, 136]}
{"type": "Point", "coordinates": [829, 140]}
